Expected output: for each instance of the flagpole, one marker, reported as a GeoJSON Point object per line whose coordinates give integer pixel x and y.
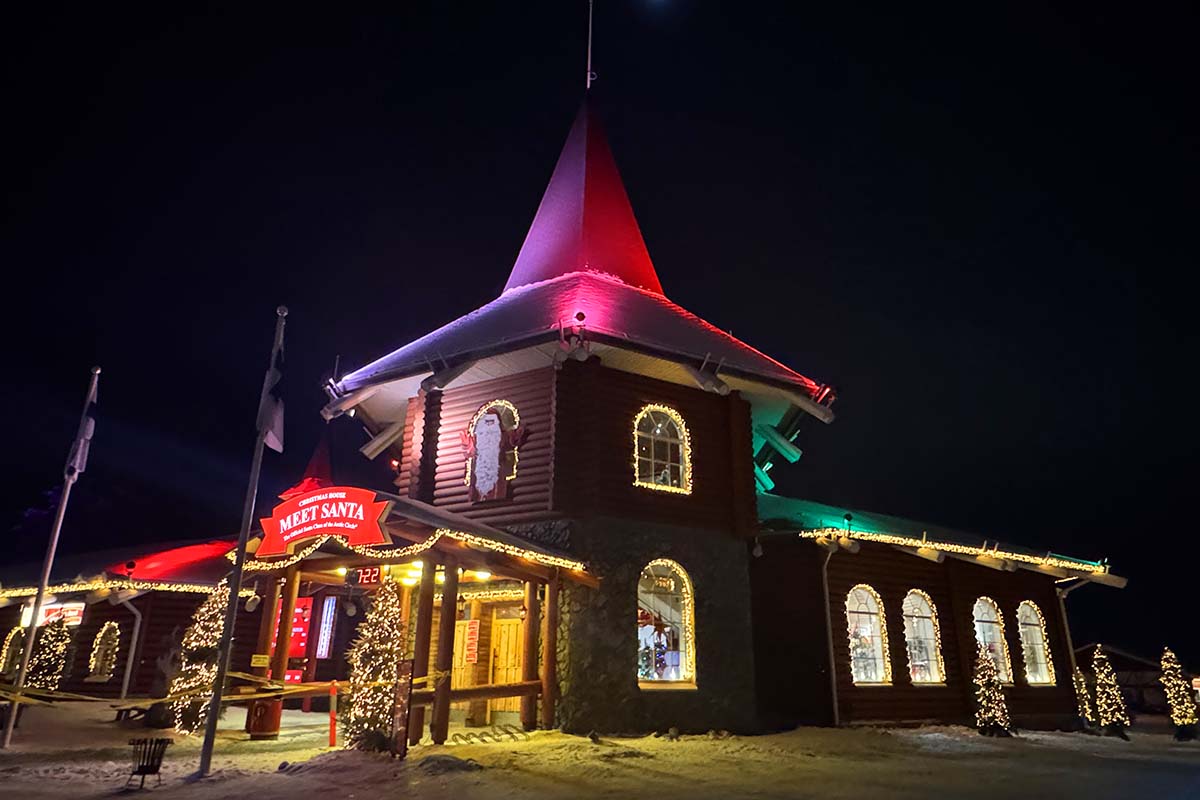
{"type": "Point", "coordinates": [235, 582]}
{"type": "Point", "coordinates": [70, 475]}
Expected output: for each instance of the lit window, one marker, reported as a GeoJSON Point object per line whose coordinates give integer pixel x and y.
{"type": "Point", "coordinates": [105, 647]}
{"type": "Point", "coordinates": [662, 450]}
{"type": "Point", "coordinates": [491, 441]}
{"type": "Point", "coordinates": [1039, 668]}
{"type": "Point", "coordinates": [923, 639]}
{"type": "Point", "coordinates": [989, 633]}
{"type": "Point", "coordinates": [867, 628]}
{"type": "Point", "coordinates": [666, 627]}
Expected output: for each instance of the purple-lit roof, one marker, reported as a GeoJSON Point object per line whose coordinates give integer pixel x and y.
{"type": "Point", "coordinates": [613, 312]}
{"type": "Point", "coordinates": [583, 255]}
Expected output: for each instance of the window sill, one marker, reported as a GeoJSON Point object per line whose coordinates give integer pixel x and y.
{"type": "Point", "coordinates": [1045, 685]}
{"type": "Point", "coordinates": [872, 684]}
{"type": "Point", "coordinates": [668, 686]}
{"type": "Point", "coordinates": [929, 684]}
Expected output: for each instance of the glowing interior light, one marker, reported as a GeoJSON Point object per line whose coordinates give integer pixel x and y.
{"type": "Point", "coordinates": [341, 570]}
{"type": "Point", "coordinates": [409, 581]}
{"type": "Point", "coordinates": [418, 564]}
{"type": "Point", "coordinates": [482, 575]}
{"type": "Point", "coordinates": [440, 577]}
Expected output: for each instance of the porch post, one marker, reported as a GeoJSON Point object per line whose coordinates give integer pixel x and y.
{"type": "Point", "coordinates": [266, 628]}
{"type": "Point", "coordinates": [416, 716]}
{"type": "Point", "coordinates": [529, 654]}
{"type": "Point", "coordinates": [550, 649]}
{"type": "Point", "coordinates": [283, 639]}
{"type": "Point", "coordinates": [440, 722]}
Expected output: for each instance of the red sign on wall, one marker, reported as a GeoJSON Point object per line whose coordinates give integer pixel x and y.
{"type": "Point", "coordinates": [471, 645]}
{"type": "Point", "coordinates": [301, 622]}
{"type": "Point", "coordinates": [344, 511]}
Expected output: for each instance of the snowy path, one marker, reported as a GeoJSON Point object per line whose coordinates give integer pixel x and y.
{"type": "Point", "coordinates": [65, 754]}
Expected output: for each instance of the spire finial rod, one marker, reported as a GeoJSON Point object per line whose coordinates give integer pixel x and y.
{"type": "Point", "coordinates": [591, 76]}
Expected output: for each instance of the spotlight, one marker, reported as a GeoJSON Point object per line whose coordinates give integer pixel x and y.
{"type": "Point", "coordinates": [252, 603]}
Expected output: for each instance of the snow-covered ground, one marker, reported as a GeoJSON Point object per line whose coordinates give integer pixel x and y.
{"type": "Point", "coordinates": [77, 752]}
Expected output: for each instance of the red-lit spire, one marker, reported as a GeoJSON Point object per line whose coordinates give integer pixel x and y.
{"type": "Point", "coordinates": [585, 222]}
{"type": "Point", "coordinates": [318, 474]}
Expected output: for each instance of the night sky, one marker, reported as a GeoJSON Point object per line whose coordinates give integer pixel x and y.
{"type": "Point", "coordinates": [949, 215]}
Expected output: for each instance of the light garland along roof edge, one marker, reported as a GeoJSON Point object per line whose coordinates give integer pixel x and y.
{"type": "Point", "coordinates": [817, 520]}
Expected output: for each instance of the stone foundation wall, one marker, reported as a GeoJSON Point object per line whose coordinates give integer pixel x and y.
{"type": "Point", "coordinates": [597, 643]}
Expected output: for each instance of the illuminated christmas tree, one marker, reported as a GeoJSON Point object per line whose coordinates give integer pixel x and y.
{"type": "Point", "coordinates": [198, 670]}
{"type": "Point", "coordinates": [991, 712]}
{"type": "Point", "coordinates": [1179, 696]}
{"type": "Point", "coordinates": [1110, 706]}
{"type": "Point", "coordinates": [1083, 701]}
{"type": "Point", "coordinates": [49, 656]}
{"type": "Point", "coordinates": [375, 660]}
{"type": "Point", "coordinates": [10, 651]}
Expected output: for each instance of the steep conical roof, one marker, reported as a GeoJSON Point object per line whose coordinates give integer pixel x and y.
{"type": "Point", "coordinates": [585, 222]}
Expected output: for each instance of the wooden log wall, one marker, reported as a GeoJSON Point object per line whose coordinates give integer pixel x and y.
{"type": "Point", "coordinates": [593, 454]}
{"type": "Point", "coordinates": [790, 641]}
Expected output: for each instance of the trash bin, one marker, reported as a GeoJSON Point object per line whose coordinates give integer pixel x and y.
{"type": "Point", "coordinates": [262, 718]}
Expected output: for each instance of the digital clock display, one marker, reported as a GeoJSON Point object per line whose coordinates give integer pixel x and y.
{"type": "Point", "coordinates": [364, 576]}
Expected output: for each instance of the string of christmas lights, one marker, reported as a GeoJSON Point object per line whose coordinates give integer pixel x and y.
{"type": "Point", "coordinates": [962, 549]}
{"type": "Point", "coordinates": [991, 709]}
{"type": "Point", "coordinates": [1110, 706]}
{"type": "Point", "coordinates": [115, 584]}
{"type": "Point", "coordinates": [401, 553]}
{"type": "Point", "coordinates": [510, 408]}
{"type": "Point", "coordinates": [1083, 702]}
{"type": "Point", "coordinates": [685, 451]}
{"type": "Point", "coordinates": [1179, 697]}
{"type": "Point", "coordinates": [198, 667]}
{"type": "Point", "coordinates": [375, 660]}
{"type": "Point", "coordinates": [107, 643]}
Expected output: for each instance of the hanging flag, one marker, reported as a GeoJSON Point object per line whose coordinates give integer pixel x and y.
{"type": "Point", "coordinates": [270, 407]}
{"type": "Point", "coordinates": [77, 458]}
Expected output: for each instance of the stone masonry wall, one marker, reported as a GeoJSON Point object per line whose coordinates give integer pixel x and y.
{"type": "Point", "coordinates": [597, 646]}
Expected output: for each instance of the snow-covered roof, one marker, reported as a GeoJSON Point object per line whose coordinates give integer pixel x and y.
{"type": "Point", "coordinates": [583, 269]}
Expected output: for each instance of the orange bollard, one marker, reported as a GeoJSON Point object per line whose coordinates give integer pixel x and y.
{"type": "Point", "coordinates": [333, 713]}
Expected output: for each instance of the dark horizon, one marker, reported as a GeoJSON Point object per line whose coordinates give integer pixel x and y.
{"type": "Point", "coordinates": [948, 217]}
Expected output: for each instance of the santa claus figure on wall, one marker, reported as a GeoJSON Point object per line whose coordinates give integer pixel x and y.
{"type": "Point", "coordinates": [491, 442]}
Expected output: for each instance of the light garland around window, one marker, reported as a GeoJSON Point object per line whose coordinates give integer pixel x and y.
{"type": "Point", "coordinates": [1008, 671]}
{"type": "Point", "coordinates": [937, 635]}
{"type": "Point", "coordinates": [485, 408]}
{"type": "Point", "coordinates": [883, 637]}
{"type": "Point", "coordinates": [1050, 680]}
{"type": "Point", "coordinates": [687, 593]}
{"type": "Point", "coordinates": [685, 451]}
{"type": "Point", "coordinates": [105, 646]}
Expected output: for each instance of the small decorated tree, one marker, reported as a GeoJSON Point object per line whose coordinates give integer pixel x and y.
{"type": "Point", "coordinates": [49, 656]}
{"type": "Point", "coordinates": [1083, 701]}
{"type": "Point", "coordinates": [198, 669]}
{"type": "Point", "coordinates": [375, 660]}
{"type": "Point", "coordinates": [991, 710]}
{"type": "Point", "coordinates": [1179, 696]}
{"type": "Point", "coordinates": [1110, 706]}
{"type": "Point", "coordinates": [103, 661]}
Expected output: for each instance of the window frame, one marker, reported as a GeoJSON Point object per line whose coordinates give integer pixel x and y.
{"type": "Point", "coordinates": [936, 639]}
{"type": "Point", "coordinates": [1040, 624]}
{"type": "Point", "coordinates": [1006, 677]}
{"type": "Point", "coordinates": [687, 633]}
{"type": "Point", "coordinates": [885, 655]}
{"type": "Point", "coordinates": [685, 450]}
{"type": "Point", "coordinates": [94, 658]}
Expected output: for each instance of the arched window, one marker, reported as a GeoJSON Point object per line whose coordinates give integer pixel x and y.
{"type": "Point", "coordinates": [666, 624]}
{"type": "Point", "coordinates": [989, 632]}
{"type": "Point", "coordinates": [923, 638]}
{"type": "Point", "coordinates": [1039, 668]}
{"type": "Point", "coordinates": [491, 441]}
{"type": "Point", "coordinates": [662, 450]}
{"type": "Point", "coordinates": [103, 661]}
{"type": "Point", "coordinates": [867, 627]}
{"type": "Point", "coordinates": [10, 651]}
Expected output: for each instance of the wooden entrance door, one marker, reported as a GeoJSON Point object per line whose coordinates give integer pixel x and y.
{"type": "Point", "coordinates": [461, 672]}
{"type": "Point", "coordinates": [506, 660]}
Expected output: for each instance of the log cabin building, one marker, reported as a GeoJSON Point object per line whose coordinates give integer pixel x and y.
{"type": "Point", "coordinates": [582, 514]}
